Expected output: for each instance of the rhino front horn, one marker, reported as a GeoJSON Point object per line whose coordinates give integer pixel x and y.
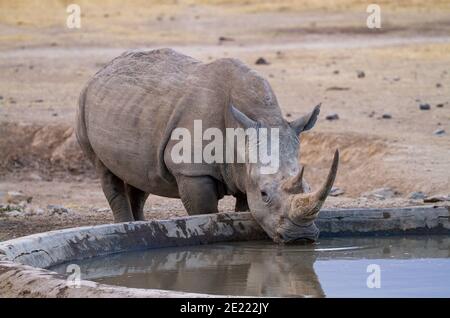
{"type": "Point", "coordinates": [306, 206]}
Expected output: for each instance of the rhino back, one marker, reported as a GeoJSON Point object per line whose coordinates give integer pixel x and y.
{"type": "Point", "coordinates": [128, 106]}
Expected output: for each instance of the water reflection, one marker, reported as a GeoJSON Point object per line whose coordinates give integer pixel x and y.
{"type": "Point", "coordinates": [251, 268]}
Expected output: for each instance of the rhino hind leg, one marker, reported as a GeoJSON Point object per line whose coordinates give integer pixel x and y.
{"type": "Point", "coordinates": [198, 194]}
{"type": "Point", "coordinates": [115, 192]}
{"type": "Point", "coordinates": [137, 200]}
{"type": "Point", "coordinates": [241, 203]}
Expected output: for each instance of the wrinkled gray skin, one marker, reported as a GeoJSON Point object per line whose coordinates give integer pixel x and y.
{"type": "Point", "coordinates": [129, 109]}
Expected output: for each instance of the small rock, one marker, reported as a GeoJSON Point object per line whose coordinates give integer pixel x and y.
{"type": "Point", "coordinates": [337, 88]}
{"type": "Point", "coordinates": [386, 116]}
{"type": "Point", "coordinates": [261, 61]}
{"type": "Point", "coordinates": [424, 106]}
{"type": "Point", "coordinates": [381, 193]}
{"type": "Point", "coordinates": [39, 101]}
{"type": "Point", "coordinates": [417, 195]}
{"type": "Point", "coordinates": [288, 115]}
{"type": "Point", "coordinates": [39, 211]}
{"type": "Point", "coordinates": [224, 38]}
{"type": "Point", "coordinates": [437, 198]}
{"type": "Point", "coordinates": [372, 113]}
{"type": "Point", "coordinates": [333, 116]}
{"type": "Point", "coordinates": [439, 132]}
{"type": "Point", "coordinates": [361, 74]}
{"type": "Point", "coordinates": [1, 97]}
{"type": "Point", "coordinates": [438, 85]}
{"type": "Point", "coordinates": [57, 209]}
{"type": "Point", "coordinates": [336, 72]}
{"type": "Point", "coordinates": [336, 192]}
{"type": "Point", "coordinates": [440, 105]}
{"type": "Point", "coordinates": [103, 210]}
{"type": "Point", "coordinates": [16, 197]}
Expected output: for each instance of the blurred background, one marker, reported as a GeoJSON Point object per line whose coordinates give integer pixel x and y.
{"type": "Point", "coordinates": [385, 93]}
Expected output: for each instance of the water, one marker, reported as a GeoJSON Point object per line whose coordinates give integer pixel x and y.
{"type": "Point", "coordinates": [413, 266]}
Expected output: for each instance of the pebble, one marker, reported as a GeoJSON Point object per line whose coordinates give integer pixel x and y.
{"type": "Point", "coordinates": [424, 106]}
{"type": "Point", "coordinates": [261, 61]}
{"type": "Point", "coordinates": [333, 116]}
{"type": "Point", "coordinates": [419, 195]}
{"type": "Point", "coordinates": [440, 105]}
{"type": "Point", "coordinates": [102, 210]}
{"type": "Point", "coordinates": [224, 38]}
{"type": "Point", "coordinates": [57, 209]}
{"type": "Point", "coordinates": [337, 88]}
{"type": "Point", "coordinates": [335, 191]}
{"type": "Point", "coordinates": [386, 116]}
{"type": "Point", "coordinates": [380, 193]}
{"type": "Point", "coordinates": [438, 85]}
{"type": "Point", "coordinates": [336, 72]}
{"type": "Point", "coordinates": [361, 74]}
{"type": "Point", "coordinates": [439, 132]}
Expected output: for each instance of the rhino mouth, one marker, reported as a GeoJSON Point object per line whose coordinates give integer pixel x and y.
{"type": "Point", "coordinates": [290, 232]}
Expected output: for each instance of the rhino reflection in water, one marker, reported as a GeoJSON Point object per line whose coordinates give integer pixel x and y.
{"type": "Point", "coordinates": [214, 269]}
{"type": "Point", "coordinates": [130, 108]}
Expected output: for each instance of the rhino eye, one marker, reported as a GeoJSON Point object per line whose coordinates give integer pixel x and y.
{"type": "Point", "coordinates": [264, 196]}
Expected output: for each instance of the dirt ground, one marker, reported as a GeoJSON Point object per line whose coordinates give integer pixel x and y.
{"type": "Point", "coordinates": [315, 51]}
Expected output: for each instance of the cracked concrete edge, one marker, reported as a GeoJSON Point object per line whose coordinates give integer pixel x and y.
{"type": "Point", "coordinates": [22, 260]}
{"type": "Point", "coordinates": [55, 247]}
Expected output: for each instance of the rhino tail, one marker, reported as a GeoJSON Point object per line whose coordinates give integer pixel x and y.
{"type": "Point", "coordinates": [81, 129]}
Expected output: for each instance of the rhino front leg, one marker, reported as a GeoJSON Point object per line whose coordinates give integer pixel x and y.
{"type": "Point", "coordinates": [114, 190]}
{"type": "Point", "coordinates": [137, 200]}
{"type": "Point", "coordinates": [198, 194]}
{"type": "Point", "coordinates": [241, 203]}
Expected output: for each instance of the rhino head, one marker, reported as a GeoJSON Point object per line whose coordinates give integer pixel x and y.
{"type": "Point", "coordinates": [282, 202]}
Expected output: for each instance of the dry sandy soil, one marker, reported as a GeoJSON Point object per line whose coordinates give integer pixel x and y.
{"type": "Point", "coordinates": [315, 50]}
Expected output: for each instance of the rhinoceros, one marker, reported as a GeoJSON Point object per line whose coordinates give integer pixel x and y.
{"type": "Point", "coordinates": [129, 109]}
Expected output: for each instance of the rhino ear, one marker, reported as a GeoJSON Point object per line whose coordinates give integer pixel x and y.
{"type": "Point", "coordinates": [306, 122]}
{"type": "Point", "coordinates": [241, 118]}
